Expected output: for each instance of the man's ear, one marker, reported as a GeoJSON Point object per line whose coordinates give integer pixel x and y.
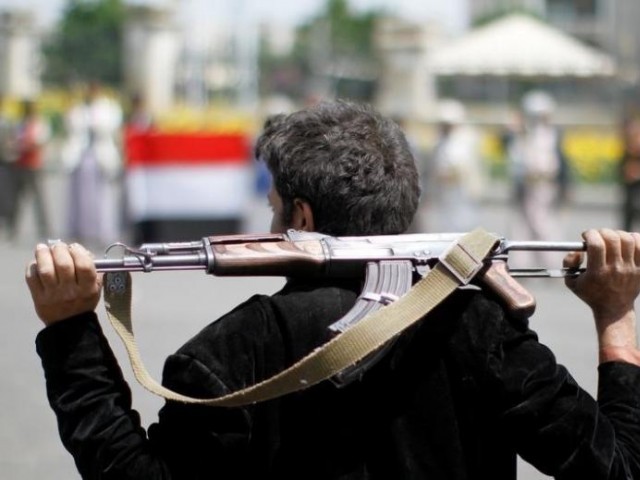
{"type": "Point", "coordinates": [302, 218]}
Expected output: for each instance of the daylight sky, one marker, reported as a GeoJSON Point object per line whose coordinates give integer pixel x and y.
{"type": "Point", "coordinates": [449, 12]}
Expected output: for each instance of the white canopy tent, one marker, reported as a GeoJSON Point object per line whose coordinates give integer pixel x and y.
{"type": "Point", "coordinates": [519, 46]}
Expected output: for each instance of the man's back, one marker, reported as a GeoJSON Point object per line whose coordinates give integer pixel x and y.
{"type": "Point", "coordinates": [444, 403]}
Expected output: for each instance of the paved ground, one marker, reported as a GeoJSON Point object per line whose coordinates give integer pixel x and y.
{"type": "Point", "coordinates": [29, 445]}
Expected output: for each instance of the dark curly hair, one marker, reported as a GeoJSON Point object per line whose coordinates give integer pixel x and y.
{"type": "Point", "coordinates": [352, 165]}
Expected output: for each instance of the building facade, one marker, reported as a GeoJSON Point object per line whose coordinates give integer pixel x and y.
{"type": "Point", "coordinates": [20, 58]}
{"type": "Point", "coordinates": [610, 25]}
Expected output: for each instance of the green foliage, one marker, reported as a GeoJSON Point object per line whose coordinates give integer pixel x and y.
{"type": "Point", "coordinates": [339, 32]}
{"type": "Point", "coordinates": [335, 45]}
{"type": "Point", "coordinates": [87, 43]}
{"type": "Point", "coordinates": [351, 34]}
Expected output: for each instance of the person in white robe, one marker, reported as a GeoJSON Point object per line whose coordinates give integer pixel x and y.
{"type": "Point", "coordinates": [92, 157]}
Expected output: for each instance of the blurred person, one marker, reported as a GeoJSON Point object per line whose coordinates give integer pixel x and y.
{"type": "Point", "coordinates": [457, 174]}
{"type": "Point", "coordinates": [7, 157]}
{"type": "Point", "coordinates": [630, 173]}
{"type": "Point", "coordinates": [31, 135]}
{"type": "Point", "coordinates": [456, 397]}
{"type": "Point", "coordinates": [91, 155]}
{"type": "Point", "coordinates": [511, 140]}
{"type": "Point", "coordinates": [544, 170]}
{"type": "Point", "coordinates": [138, 119]}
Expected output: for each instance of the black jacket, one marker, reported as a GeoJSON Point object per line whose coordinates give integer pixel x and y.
{"type": "Point", "coordinates": [456, 398]}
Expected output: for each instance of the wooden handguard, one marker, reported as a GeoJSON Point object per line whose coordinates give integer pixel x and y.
{"type": "Point", "coordinates": [517, 299]}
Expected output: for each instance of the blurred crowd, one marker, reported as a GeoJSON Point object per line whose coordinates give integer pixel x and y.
{"type": "Point", "coordinates": [454, 174]}
{"type": "Point", "coordinates": [90, 155]}
{"type": "Point", "coordinates": [455, 177]}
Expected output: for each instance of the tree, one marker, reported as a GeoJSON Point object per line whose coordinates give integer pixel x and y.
{"type": "Point", "coordinates": [87, 43]}
{"type": "Point", "coordinates": [337, 51]}
{"type": "Point", "coordinates": [333, 54]}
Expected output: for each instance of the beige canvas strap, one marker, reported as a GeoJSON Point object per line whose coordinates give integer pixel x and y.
{"type": "Point", "coordinates": [456, 267]}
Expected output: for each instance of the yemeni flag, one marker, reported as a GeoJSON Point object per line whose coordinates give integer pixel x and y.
{"type": "Point", "coordinates": [184, 186]}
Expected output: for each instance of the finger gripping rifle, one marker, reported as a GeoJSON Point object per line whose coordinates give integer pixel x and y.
{"type": "Point", "coordinates": [389, 264]}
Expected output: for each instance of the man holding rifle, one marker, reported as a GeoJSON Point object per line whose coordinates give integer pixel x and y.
{"type": "Point", "coordinates": [456, 397]}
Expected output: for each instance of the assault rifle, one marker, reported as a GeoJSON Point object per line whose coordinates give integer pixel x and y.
{"type": "Point", "coordinates": [389, 265]}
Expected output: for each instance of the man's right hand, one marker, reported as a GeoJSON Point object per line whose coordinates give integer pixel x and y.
{"type": "Point", "coordinates": [63, 282]}
{"type": "Point", "coordinates": [610, 286]}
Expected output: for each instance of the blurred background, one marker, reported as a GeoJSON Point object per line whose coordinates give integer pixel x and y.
{"type": "Point", "coordinates": [195, 79]}
{"type": "Point", "coordinates": [134, 121]}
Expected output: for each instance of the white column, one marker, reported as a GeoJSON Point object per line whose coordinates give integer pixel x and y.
{"type": "Point", "coordinates": [406, 87]}
{"type": "Point", "coordinates": [19, 55]}
{"type": "Point", "coordinates": [151, 43]}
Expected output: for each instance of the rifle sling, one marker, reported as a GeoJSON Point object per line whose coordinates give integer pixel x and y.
{"type": "Point", "coordinates": [455, 267]}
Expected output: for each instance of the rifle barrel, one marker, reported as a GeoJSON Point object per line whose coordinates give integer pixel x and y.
{"type": "Point", "coordinates": [545, 272]}
{"type": "Point", "coordinates": [134, 263]}
{"type": "Point", "coordinates": [541, 245]}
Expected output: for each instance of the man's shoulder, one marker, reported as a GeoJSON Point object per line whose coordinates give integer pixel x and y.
{"type": "Point", "coordinates": [266, 333]}
{"type": "Point", "coordinates": [299, 304]}
{"type": "Point", "coordinates": [307, 295]}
